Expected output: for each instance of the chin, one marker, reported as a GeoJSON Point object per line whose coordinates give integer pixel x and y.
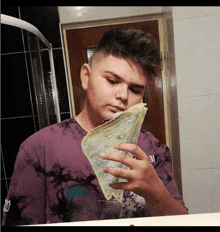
{"type": "Point", "coordinates": [108, 115]}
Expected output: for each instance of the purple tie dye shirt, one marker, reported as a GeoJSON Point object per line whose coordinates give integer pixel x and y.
{"type": "Point", "coordinates": [53, 180]}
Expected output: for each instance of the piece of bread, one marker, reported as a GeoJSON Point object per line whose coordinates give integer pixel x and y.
{"type": "Point", "coordinates": [123, 128]}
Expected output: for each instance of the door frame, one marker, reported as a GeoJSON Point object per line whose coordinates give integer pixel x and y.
{"type": "Point", "coordinates": [115, 21]}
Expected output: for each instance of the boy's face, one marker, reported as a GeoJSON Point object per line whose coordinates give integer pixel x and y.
{"type": "Point", "coordinates": [112, 84]}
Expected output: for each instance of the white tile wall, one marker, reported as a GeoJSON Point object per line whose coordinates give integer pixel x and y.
{"type": "Point", "coordinates": [201, 190]}
{"type": "Point", "coordinates": [199, 120]}
{"type": "Point", "coordinates": [149, 10]}
{"type": "Point", "coordinates": [197, 56]}
{"type": "Point", "coordinates": [72, 14]}
{"type": "Point", "coordinates": [198, 43]}
{"type": "Point", "coordinates": [115, 12]}
{"type": "Point", "coordinates": [194, 12]}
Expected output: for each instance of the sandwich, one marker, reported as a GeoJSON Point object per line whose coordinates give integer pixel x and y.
{"type": "Point", "coordinates": [123, 128]}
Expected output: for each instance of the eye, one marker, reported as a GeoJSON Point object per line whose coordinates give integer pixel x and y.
{"type": "Point", "coordinates": [111, 81]}
{"type": "Point", "coordinates": [135, 91]}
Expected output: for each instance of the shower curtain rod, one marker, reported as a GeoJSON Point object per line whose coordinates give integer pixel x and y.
{"type": "Point", "coordinates": [12, 21]}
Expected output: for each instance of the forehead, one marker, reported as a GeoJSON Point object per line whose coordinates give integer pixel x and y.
{"type": "Point", "coordinates": [124, 68]}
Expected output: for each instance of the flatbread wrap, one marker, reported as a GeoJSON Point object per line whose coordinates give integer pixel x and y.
{"type": "Point", "coordinates": [123, 128]}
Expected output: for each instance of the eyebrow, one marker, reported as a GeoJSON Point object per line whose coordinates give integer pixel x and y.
{"type": "Point", "coordinates": [119, 78]}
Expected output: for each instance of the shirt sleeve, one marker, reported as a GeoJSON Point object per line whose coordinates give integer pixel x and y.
{"type": "Point", "coordinates": [163, 167]}
{"type": "Point", "coordinates": [25, 202]}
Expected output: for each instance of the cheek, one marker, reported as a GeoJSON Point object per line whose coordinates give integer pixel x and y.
{"type": "Point", "coordinates": [101, 89]}
{"type": "Point", "coordinates": [134, 100]}
{"type": "Point", "coordinates": [98, 93]}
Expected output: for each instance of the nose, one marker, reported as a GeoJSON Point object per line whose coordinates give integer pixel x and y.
{"type": "Point", "coordinates": [122, 93]}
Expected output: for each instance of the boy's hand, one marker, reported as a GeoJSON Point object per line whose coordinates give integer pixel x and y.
{"type": "Point", "coordinates": [143, 180]}
{"type": "Point", "coordinates": [142, 177]}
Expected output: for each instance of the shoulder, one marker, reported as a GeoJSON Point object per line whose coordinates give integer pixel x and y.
{"type": "Point", "coordinates": [145, 135]}
{"type": "Point", "coordinates": [46, 135]}
{"type": "Point", "coordinates": [151, 144]}
{"type": "Point", "coordinates": [146, 139]}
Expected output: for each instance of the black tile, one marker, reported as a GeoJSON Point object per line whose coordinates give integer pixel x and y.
{"type": "Point", "coordinates": [10, 10]}
{"type": "Point", "coordinates": [3, 191]}
{"type": "Point", "coordinates": [14, 132]}
{"type": "Point", "coordinates": [46, 19]}
{"type": "Point", "coordinates": [15, 89]}
{"type": "Point", "coordinates": [36, 123]}
{"type": "Point", "coordinates": [2, 168]}
{"type": "Point", "coordinates": [61, 80]}
{"type": "Point", "coordinates": [11, 39]}
{"type": "Point", "coordinates": [25, 34]}
{"type": "Point", "coordinates": [53, 119]}
{"type": "Point", "coordinates": [65, 116]}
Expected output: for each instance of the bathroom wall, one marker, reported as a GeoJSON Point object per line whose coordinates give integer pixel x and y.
{"type": "Point", "coordinates": [197, 56]}
{"type": "Point", "coordinates": [73, 14]}
{"type": "Point", "coordinates": [18, 108]}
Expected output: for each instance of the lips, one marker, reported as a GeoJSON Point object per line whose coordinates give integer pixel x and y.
{"type": "Point", "coordinates": [117, 108]}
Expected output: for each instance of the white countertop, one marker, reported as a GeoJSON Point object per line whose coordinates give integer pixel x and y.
{"type": "Point", "coordinates": [206, 219]}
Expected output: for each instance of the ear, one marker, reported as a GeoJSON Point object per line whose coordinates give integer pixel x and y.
{"type": "Point", "coordinates": [84, 75]}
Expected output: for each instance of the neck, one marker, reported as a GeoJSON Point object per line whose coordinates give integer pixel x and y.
{"type": "Point", "coordinates": [87, 120]}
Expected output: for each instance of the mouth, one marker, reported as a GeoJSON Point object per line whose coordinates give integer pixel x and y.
{"type": "Point", "coordinates": [117, 108]}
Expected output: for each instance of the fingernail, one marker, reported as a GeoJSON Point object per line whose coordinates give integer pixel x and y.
{"type": "Point", "coordinates": [116, 146]}
{"type": "Point", "coordinates": [102, 155]}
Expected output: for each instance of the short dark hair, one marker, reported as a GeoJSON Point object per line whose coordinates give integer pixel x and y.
{"type": "Point", "coordinates": [136, 45]}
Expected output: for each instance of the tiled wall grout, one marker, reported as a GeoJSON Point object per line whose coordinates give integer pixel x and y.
{"type": "Point", "coordinates": [14, 53]}
{"type": "Point", "coordinates": [28, 116]}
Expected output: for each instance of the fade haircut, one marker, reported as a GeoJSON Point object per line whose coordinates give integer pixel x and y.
{"type": "Point", "coordinates": [137, 46]}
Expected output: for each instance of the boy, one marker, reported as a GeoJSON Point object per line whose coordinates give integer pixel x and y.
{"type": "Point", "coordinates": [53, 181]}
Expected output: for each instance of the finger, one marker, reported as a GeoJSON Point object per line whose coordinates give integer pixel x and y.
{"type": "Point", "coordinates": [118, 172]}
{"type": "Point", "coordinates": [118, 157]}
{"type": "Point", "coordinates": [133, 149]}
{"type": "Point", "coordinates": [122, 185]}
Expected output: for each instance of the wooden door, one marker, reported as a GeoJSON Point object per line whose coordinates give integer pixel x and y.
{"type": "Point", "coordinates": [80, 40]}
